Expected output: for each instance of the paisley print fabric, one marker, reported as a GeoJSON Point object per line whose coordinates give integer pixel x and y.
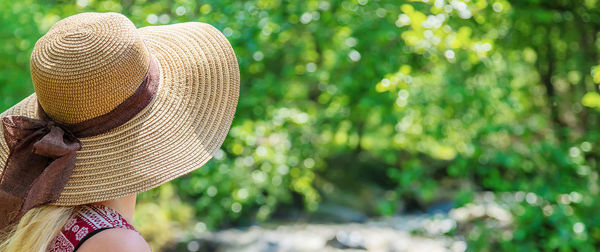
{"type": "Point", "coordinates": [89, 218]}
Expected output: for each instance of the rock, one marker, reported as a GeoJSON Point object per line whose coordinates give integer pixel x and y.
{"type": "Point", "coordinates": [347, 240]}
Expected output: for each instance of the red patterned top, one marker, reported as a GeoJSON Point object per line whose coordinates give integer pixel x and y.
{"type": "Point", "coordinates": [89, 220]}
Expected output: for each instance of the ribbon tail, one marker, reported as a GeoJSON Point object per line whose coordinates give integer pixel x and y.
{"type": "Point", "coordinates": [20, 170]}
{"type": "Point", "coordinates": [50, 184]}
{"type": "Point", "coordinates": [10, 208]}
{"type": "Point", "coordinates": [45, 189]}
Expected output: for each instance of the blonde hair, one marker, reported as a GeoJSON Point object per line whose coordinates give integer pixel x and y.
{"type": "Point", "coordinates": [36, 230]}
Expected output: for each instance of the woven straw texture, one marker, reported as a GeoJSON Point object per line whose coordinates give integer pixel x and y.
{"type": "Point", "coordinates": [80, 76]}
{"type": "Point", "coordinates": [86, 65]}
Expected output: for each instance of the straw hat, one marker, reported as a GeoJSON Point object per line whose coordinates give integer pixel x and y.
{"type": "Point", "coordinates": [88, 64]}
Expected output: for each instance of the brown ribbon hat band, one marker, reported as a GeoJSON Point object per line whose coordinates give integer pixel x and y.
{"type": "Point", "coordinates": [42, 152]}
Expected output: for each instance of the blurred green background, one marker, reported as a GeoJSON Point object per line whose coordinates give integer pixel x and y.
{"type": "Point", "coordinates": [382, 106]}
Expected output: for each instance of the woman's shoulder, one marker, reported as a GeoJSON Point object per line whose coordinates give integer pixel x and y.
{"type": "Point", "coordinates": [115, 239]}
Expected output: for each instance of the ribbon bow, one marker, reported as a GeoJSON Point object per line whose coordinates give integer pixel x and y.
{"type": "Point", "coordinates": [41, 160]}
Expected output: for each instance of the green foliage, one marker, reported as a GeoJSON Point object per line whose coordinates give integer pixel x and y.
{"type": "Point", "coordinates": [422, 100]}
{"type": "Point", "coordinates": [160, 210]}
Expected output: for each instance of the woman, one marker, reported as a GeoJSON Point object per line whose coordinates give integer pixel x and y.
{"type": "Point", "coordinates": [116, 111]}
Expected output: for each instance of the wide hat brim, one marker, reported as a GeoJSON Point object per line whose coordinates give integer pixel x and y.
{"type": "Point", "coordinates": [178, 132]}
